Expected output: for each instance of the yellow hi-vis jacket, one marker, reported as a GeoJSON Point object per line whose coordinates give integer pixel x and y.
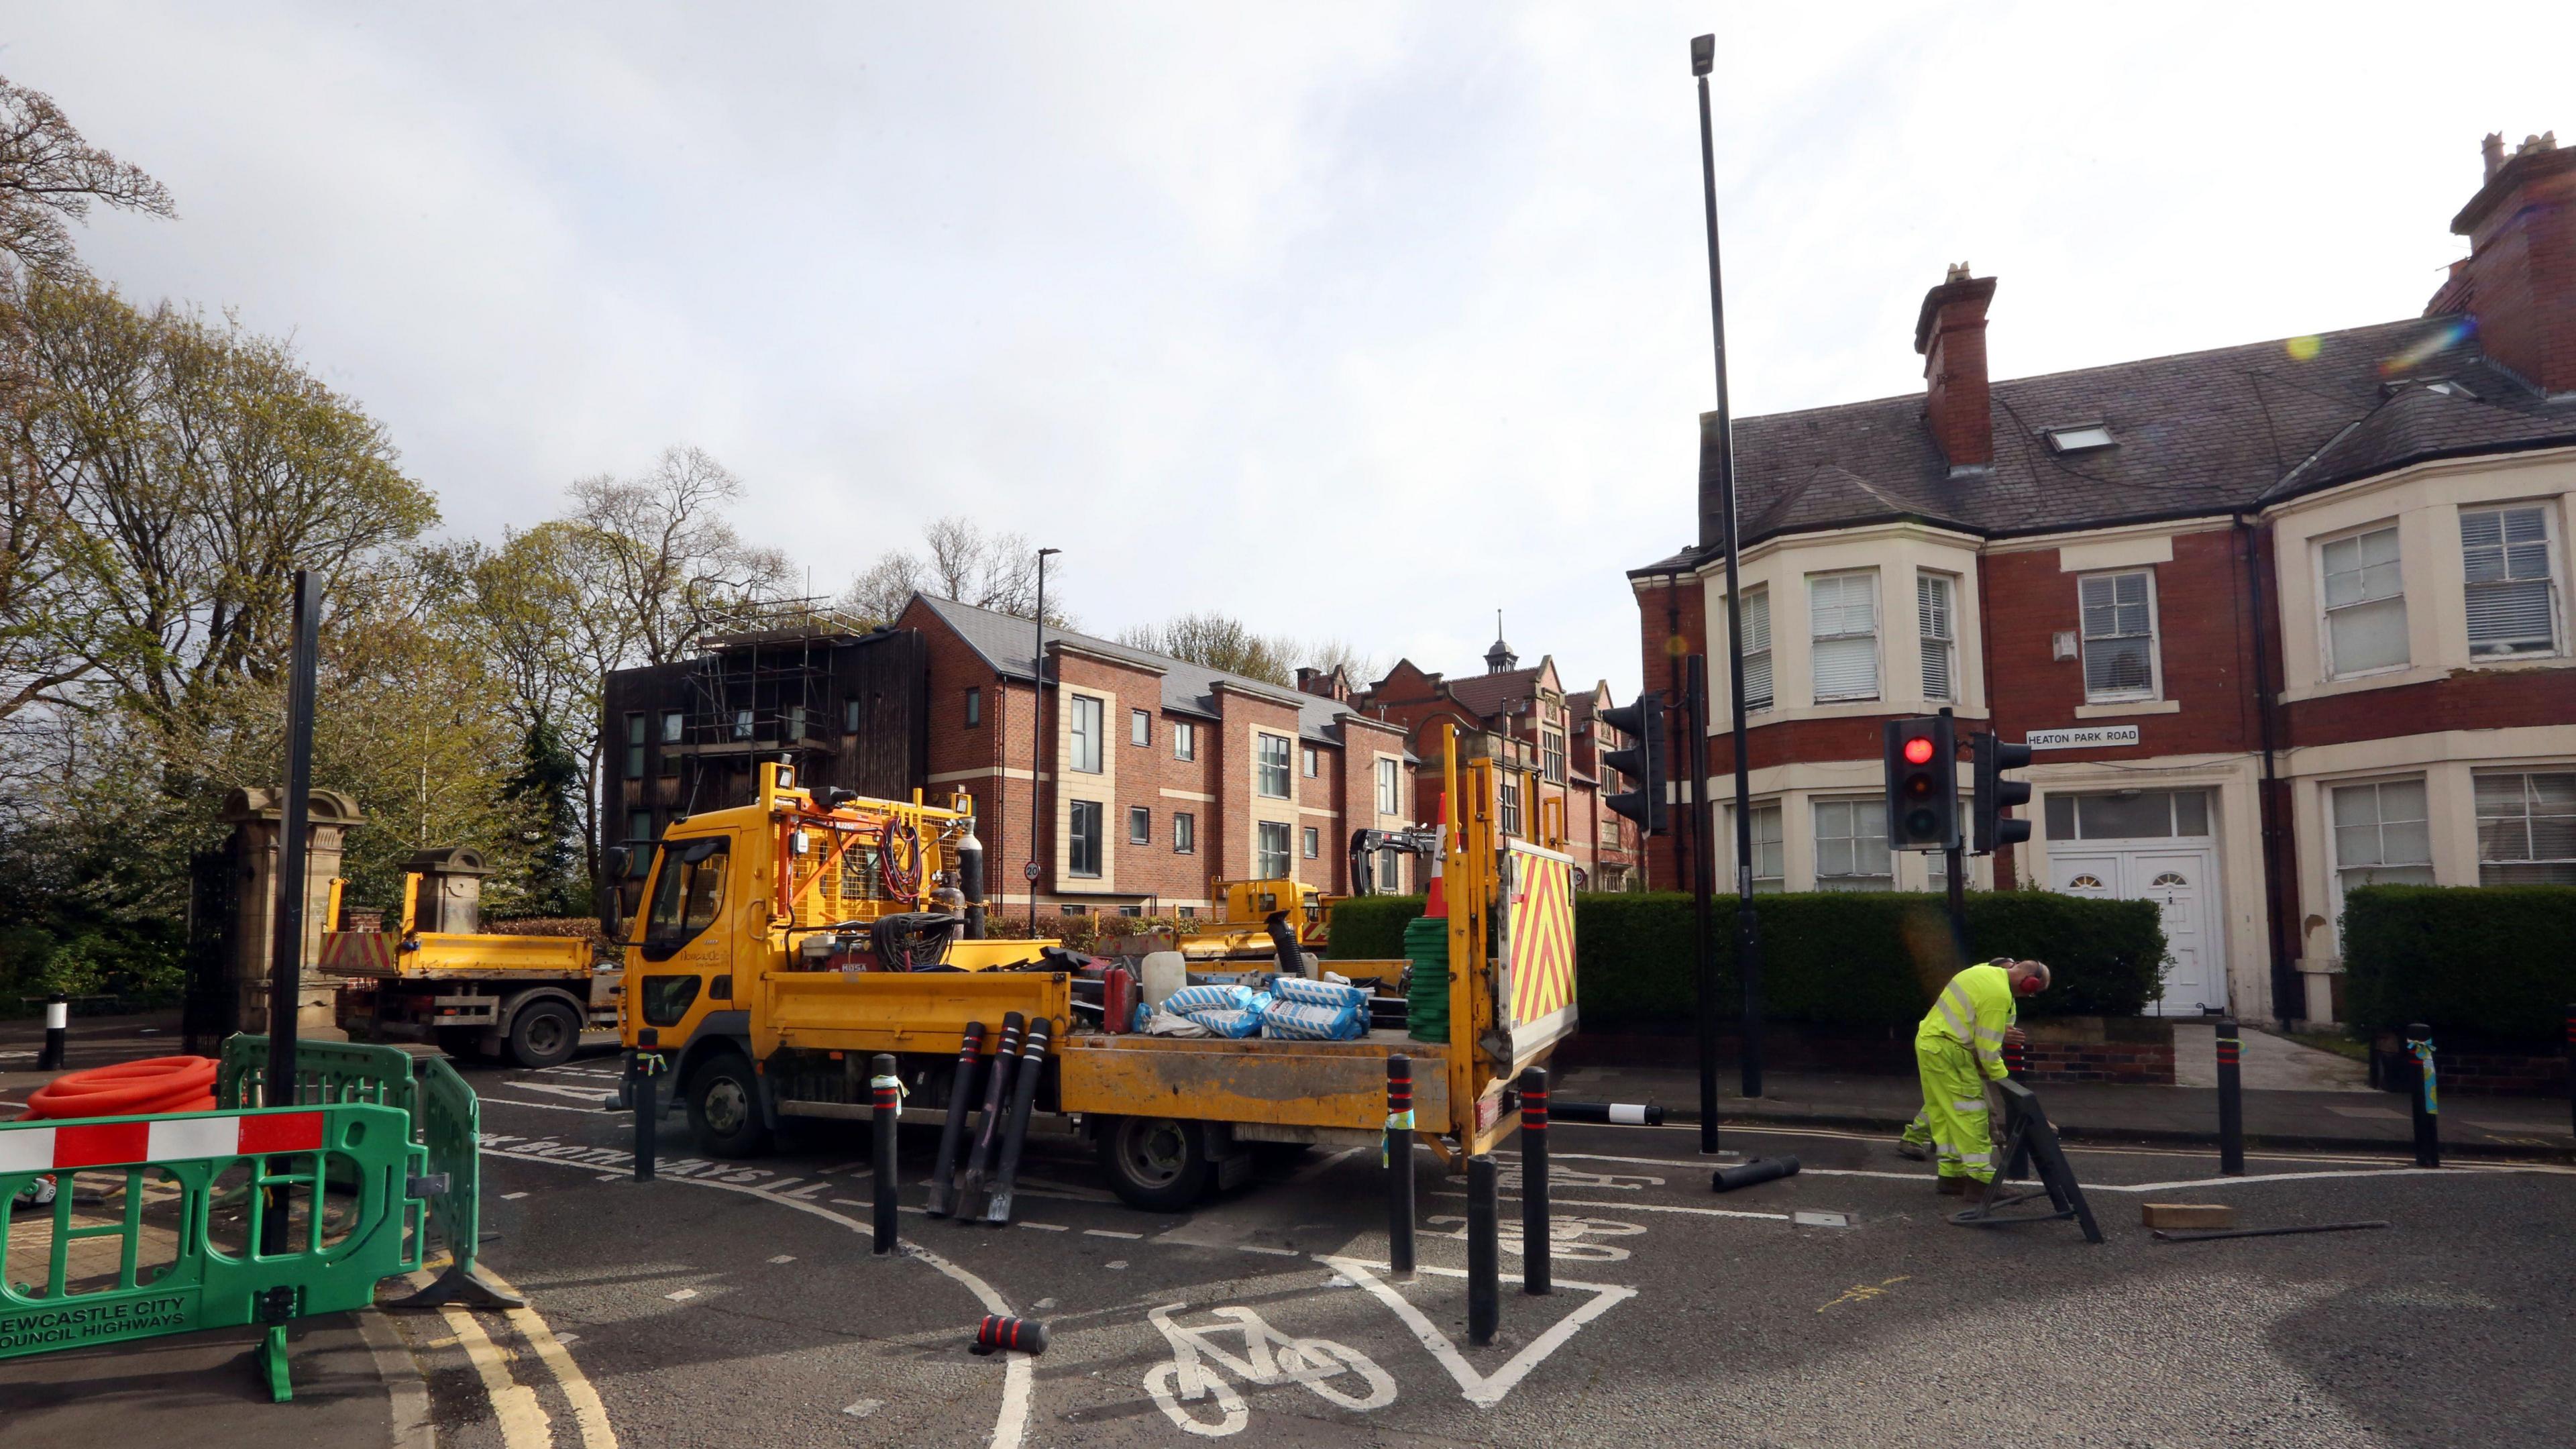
{"type": "Point", "coordinates": [1973, 1010]}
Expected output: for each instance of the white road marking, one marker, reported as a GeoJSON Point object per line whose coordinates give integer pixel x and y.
{"type": "Point", "coordinates": [1115, 1263]}
{"type": "Point", "coordinates": [1483, 1390]}
{"type": "Point", "coordinates": [1110, 1233]}
{"type": "Point", "coordinates": [682, 1296]}
{"type": "Point", "coordinates": [1047, 1227]}
{"type": "Point", "coordinates": [1643, 1207]}
{"type": "Point", "coordinates": [589, 1095]}
{"type": "Point", "coordinates": [863, 1408]}
{"type": "Point", "coordinates": [522, 1419]}
{"type": "Point", "coordinates": [1018, 1378]}
{"type": "Point", "coordinates": [548, 1106]}
{"type": "Point", "coordinates": [512, 1196]}
{"type": "Point", "coordinates": [784, 1258]}
{"type": "Point", "coordinates": [1257, 1248]}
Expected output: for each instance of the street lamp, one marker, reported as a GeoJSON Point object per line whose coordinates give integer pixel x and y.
{"type": "Point", "coordinates": [1748, 929]}
{"type": "Point", "coordinates": [1037, 740]}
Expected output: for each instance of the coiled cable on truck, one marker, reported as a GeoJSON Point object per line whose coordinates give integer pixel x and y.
{"type": "Point", "coordinates": [900, 869]}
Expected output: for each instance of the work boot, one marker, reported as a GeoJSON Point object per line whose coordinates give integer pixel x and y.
{"type": "Point", "coordinates": [1913, 1151]}
{"type": "Point", "coordinates": [1953, 1186]}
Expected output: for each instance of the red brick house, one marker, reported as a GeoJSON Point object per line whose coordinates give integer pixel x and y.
{"type": "Point", "coordinates": [1152, 775]}
{"type": "Point", "coordinates": [1548, 743]}
{"type": "Point", "coordinates": [2279, 619]}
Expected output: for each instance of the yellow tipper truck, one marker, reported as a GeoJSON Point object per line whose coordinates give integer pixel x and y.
{"type": "Point", "coordinates": [770, 987]}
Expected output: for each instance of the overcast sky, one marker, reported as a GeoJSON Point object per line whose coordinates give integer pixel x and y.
{"type": "Point", "coordinates": [1359, 321]}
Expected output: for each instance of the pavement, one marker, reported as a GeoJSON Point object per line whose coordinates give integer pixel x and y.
{"type": "Point", "coordinates": [733, 1302]}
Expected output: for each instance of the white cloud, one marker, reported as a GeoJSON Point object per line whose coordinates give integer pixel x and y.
{"type": "Point", "coordinates": [1353, 321]}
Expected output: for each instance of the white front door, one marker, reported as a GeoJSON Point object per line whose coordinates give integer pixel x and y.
{"type": "Point", "coordinates": [2181, 883]}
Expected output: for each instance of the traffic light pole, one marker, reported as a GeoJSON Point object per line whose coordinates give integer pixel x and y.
{"type": "Point", "coordinates": [1957, 860]}
{"type": "Point", "coordinates": [1748, 928]}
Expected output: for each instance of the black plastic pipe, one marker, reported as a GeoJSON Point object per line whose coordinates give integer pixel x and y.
{"type": "Point", "coordinates": [952, 1133]}
{"type": "Point", "coordinates": [640, 1094]}
{"type": "Point", "coordinates": [1538, 1278]}
{"type": "Point", "coordinates": [885, 1100]}
{"type": "Point", "coordinates": [1622, 1114]}
{"type": "Point", "coordinates": [1015, 1134]}
{"type": "Point", "coordinates": [997, 1086]}
{"type": "Point", "coordinates": [1760, 1169]}
{"type": "Point", "coordinates": [1484, 1253]}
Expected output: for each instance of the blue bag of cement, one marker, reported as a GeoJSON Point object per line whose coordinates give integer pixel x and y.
{"type": "Point", "coordinates": [1208, 998]}
{"type": "Point", "coordinates": [1302, 1021]}
{"type": "Point", "coordinates": [1227, 1021]}
{"type": "Point", "coordinates": [1318, 993]}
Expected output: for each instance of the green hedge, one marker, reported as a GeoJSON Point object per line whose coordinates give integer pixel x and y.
{"type": "Point", "coordinates": [2492, 961]}
{"type": "Point", "coordinates": [1833, 958]}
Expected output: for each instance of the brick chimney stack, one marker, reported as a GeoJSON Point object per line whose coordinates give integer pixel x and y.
{"type": "Point", "coordinates": [2519, 279]}
{"type": "Point", "coordinates": [1950, 332]}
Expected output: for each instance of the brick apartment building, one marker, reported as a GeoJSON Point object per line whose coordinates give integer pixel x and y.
{"type": "Point", "coordinates": [1153, 775]}
{"type": "Point", "coordinates": [2280, 619]}
{"type": "Point", "coordinates": [1548, 744]}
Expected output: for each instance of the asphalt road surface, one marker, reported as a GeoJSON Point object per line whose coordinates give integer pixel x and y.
{"type": "Point", "coordinates": [740, 1303]}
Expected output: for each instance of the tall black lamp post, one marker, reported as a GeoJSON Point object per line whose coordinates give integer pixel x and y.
{"type": "Point", "coordinates": [1748, 929]}
{"type": "Point", "coordinates": [1037, 740]}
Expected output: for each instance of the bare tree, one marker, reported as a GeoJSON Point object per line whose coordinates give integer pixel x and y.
{"type": "Point", "coordinates": [49, 174]}
{"type": "Point", "coordinates": [1218, 641]}
{"type": "Point", "coordinates": [659, 547]}
{"type": "Point", "coordinates": [1327, 655]}
{"type": "Point", "coordinates": [997, 571]}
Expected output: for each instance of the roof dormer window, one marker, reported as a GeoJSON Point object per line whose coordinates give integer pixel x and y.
{"type": "Point", "coordinates": [2082, 438]}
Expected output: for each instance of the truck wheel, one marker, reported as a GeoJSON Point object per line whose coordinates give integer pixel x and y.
{"type": "Point", "coordinates": [545, 1034]}
{"type": "Point", "coordinates": [1156, 1163]}
{"type": "Point", "coordinates": [724, 1108]}
{"type": "Point", "coordinates": [465, 1043]}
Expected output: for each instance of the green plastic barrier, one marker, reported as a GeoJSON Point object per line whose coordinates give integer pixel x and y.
{"type": "Point", "coordinates": [446, 1120]}
{"type": "Point", "coordinates": [147, 1253]}
{"type": "Point", "coordinates": [325, 1071]}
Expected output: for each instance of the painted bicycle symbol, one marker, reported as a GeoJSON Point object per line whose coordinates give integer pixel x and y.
{"type": "Point", "coordinates": [1571, 1239]}
{"type": "Point", "coordinates": [1338, 1373]}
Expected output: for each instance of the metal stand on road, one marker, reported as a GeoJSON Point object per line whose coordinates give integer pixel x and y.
{"type": "Point", "coordinates": [961, 1105]}
{"type": "Point", "coordinates": [1484, 1253]}
{"type": "Point", "coordinates": [2428, 1105]}
{"type": "Point", "coordinates": [2032, 1134]}
{"type": "Point", "coordinates": [1537, 1274]}
{"type": "Point", "coordinates": [2231, 1100]}
{"type": "Point", "coordinates": [641, 1069]}
{"type": "Point", "coordinates": [1398, 1157]}
{"type": "Point", "coordinates": [885, 1102]}
{"type": "Point", "coordinates": [58, 1025]}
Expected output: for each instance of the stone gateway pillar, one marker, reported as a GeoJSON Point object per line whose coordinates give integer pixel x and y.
{"type": "Point", "coordinates": [256, 816]}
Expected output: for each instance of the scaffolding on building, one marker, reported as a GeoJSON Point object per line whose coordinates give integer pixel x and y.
{"type": "Point", "coordinates": [760, 690]}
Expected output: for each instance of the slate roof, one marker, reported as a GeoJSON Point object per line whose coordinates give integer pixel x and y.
{"type": "Point", "coordinates": [1005, 641]}
{"type": "Point", "coordinates": [2198, 433]}
{"type": "Point", "coordinates": [1483, 695]}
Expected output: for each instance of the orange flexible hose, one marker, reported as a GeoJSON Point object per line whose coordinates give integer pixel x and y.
{"type": "Point", "coordinates": [147, 1088]}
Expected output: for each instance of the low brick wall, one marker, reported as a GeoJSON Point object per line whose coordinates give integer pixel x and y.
{"type": "Point", "coordinates": [2062, 1049]}
{"type": "Point", "coordinates": [2487, 1069]}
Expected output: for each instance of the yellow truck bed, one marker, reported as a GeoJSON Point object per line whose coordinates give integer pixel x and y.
{"type": "Point", "coordinates": [381, 955]}
{"type": "Point", "coordinates": [1256, 1079]}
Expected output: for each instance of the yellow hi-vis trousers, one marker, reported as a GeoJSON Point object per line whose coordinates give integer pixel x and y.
{"type": "Point", "coordinates": [1954, 1107]}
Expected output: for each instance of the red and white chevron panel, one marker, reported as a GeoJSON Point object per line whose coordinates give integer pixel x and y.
{"type": "Point", "coordinates": [36, 1147]}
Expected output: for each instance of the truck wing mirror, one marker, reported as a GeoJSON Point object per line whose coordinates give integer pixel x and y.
{"type": "Point", "coordinates": [620, 861]}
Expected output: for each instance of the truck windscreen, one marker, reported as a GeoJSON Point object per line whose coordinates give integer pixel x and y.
{"type": "Point", "coordinates": [686, 894]}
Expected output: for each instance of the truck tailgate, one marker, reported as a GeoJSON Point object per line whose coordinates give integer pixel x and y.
{"type": "Point", "coordinates": [1286, 1083]}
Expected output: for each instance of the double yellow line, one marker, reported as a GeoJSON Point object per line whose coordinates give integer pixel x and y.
{"type": "Point", "coordinates": [524, 1422]}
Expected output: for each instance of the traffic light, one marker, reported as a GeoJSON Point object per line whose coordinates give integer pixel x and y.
{"type": "Point", "coordinates": [1995, 794]}
{"type": "Point", "coordinates": [1643, 762]}
{"type": "Point", "coordinates": [1922, 784]}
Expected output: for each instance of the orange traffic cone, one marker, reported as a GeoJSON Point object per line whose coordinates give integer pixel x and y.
{"type": "Point", "coordinates": [1435, 903]}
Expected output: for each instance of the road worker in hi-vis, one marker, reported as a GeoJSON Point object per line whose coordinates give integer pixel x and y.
{"type": "Point", "coordinates": [1959, 1048]}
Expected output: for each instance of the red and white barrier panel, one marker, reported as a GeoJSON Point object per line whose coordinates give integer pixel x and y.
{"type": "Point", "coordinates": [52, 1148]}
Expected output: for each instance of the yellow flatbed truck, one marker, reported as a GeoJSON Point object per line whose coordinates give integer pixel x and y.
{"type": "Point", "coordinates": [441, 978]}
{"type": "Point", "coordinates": [761, 1025]}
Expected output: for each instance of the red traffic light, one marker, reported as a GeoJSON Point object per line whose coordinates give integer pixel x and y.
{"type": "Point", "coordinates": [1918, 751]}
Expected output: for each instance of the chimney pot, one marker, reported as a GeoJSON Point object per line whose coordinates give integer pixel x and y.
{"type": "Point", "coordinates": [2519, 280]}
{"type": "Point", "coordinates": [2493, 149]}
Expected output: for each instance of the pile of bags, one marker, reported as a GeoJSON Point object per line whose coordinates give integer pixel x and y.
{"type": "Point", "coordinates": [1293, 1009]}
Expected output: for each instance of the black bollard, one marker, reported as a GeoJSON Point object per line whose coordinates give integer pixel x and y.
{"type": "Point", "coordinates": [961, 1105]}
{"type": "Point", "coordinates": [1021, 1335]}
{"type": "Point", "coordinates": [1538, 1277]}
{"type": "Point", "coordinates": [641, 1067]}
{"type": "Point", "coordinates": [2428, 1104]}
{"type": "Point", "coordinates": [2016, 1059]}
{"type": "Point", "coordinates": [58, 1025]}
{"type": "Point", "coordinates": [886, 1104]}
{"type": "Point", "coordinates": [1015, 1132]}
{"type": "Point", "coordinates": [1397, 1154]}
{"type": "Point", "coordinates": [988, 1130]}
{"type": "Point", "coordinates": [2231, 1099]}
{"type": "Point", "coordinates": [1760, 1169]}
{"type": "Point", "coordinates": [1484, 1253]}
